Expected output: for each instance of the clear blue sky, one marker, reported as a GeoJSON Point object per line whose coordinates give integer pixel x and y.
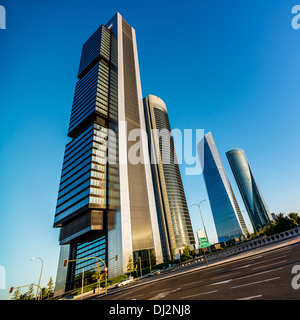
{"type": "Point", "coordinates": [229, 67]}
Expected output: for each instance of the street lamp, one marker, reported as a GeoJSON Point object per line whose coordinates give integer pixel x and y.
{"type": "Point", "coordinates": [198, 205]}
{"type": "Point", "coordinates": [31, 259]}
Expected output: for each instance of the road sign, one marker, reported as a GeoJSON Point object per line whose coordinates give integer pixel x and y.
{"type": "Point", "coordinates": [201, 234]}
{"type": "Point", "coordinates": [203, 243]}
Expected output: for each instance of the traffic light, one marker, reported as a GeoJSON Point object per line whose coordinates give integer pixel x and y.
{"type": "Point", "coordinates": [11, 289]}
{"type": "Point", "coordinates": [65, 263]}
{"type": "Point", "coordinates": [105, 269]}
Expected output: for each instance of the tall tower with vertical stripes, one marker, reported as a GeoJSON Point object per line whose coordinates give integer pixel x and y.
{"type": "Point", "coordinates": [106, 205]}
{"type": "Point", "coordinates": [173, 214]}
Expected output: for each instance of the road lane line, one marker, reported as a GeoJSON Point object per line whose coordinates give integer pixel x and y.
{"type": "Point", "coordinates": [188, 284]}
{"type": "Point", "coordinates": [165, 289]}
{"type": "Point", "coordinates": [259, 273]}
{"type": "Point", "coordinates": [163, 294]}
{"type": "Point", "coordinates": [198, 294]}
{"type": "Point", "coordinates": [252, 264]}
{"type": "Point", "coordinates": [133, 298]}
{"type": "Point", "coordinates": [225, 275]}
{"type": "Point", "coordinates": [255, 258]}
{"type": "Point", "coordinates": [256, 282]}
{"type": "Point", "coordinates": [246, 266]}
{"type": "Point", "coordinates": [243, 277]}
{"type": "Point", "coordinates": [221, 282]}
{"type": "Point", "coordinates": [268, 265]}
{"type": "Point", "coordinates": [249, 298]}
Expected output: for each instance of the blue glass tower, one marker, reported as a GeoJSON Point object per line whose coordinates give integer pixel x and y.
{"type": "Point", "coordinates": [254, 202]}
{"type": "Point", "coordinates": [226, 212]}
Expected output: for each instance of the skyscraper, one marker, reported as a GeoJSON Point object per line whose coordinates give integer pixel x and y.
{"type": "Point", "coordinates": [254, 202]}
{"type": "Point", "coordinates": [173, 215]}
{"type": "Point", "coordinates": [226, 212]}
{"type": "Point", "coordinates": [106, 209]}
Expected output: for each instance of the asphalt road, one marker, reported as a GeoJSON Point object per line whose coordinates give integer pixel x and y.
{"type": "Point", "coordinates": [266, 275]}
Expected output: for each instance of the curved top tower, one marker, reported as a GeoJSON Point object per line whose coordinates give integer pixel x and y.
{"type": "Point", "coordinates": [254, 202]}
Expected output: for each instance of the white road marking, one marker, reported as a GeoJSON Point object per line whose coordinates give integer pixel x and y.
{"type": "Point", "coordinates": [225, 275]}
{"type": "Point", "coordinates": [165, 289]}
{"type": "Point", "coordinates": [255, 258]}
{"type": "Point", "coordinates": [256, 282]}
{"type": "Point", "coordinates": [133, 298]}
{"type": "Point", "coordinates": [246, 266]}
{"type": "Point", "coordinates": [243, 277]}
{"type": "Point", "coordinates": [163, 294]}
{"type": "Point", "coordinates": [160, 295]}
{"type": "Point", "coordinates": [252, 264]}
{"type": "Point", "coordinates": [188, 284]}
{"type": "Point", "coordinates": [257, 274]}
{"type": "Point", "coordinates": [249, 298]}
{"type": "Point", "coordinates": [268, 265]}
{"type": "Point", "coordinates": [221, 282]}
{"type": "Point", "coordinates": [198, 294]}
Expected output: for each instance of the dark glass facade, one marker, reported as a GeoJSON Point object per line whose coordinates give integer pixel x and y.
{"type": "Point", "coordinates": [85, 250]}
{"type": "Point", "coordinates": [105, 206]}
{"type": "Point", "coordinates": [173, 215]}
{"type": "Point", "coordinates": [254, 202]}
{"type": "Point", "coordinates": [89, 186]}
{"type": "Point", "coordinates": [226, 212]}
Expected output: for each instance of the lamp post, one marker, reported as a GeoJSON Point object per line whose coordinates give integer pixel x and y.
{"type": "Point", "coordinates": [31, 259]}
{"type": "Point", "coordinates": [198, 205]}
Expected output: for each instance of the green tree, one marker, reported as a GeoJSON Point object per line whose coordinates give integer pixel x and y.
{"type": "Point", "coordinates": [186, 254]}
{"type": "Point", "coordinates": [230, 240]}
{"type": "Point", "coordinates": [282, 223]}
{"type": "Point", "coordinates": [295, 217]}
{"type": "Point", "coordinates": [44, 293]}
{"type": "Point", "coordinates": [130, 265]}
{"type": "Point", "coordinates": [17, 294]}
{"type": "Point", "coordinates": [152, 257]}
{"type": "Point", "coordinates": [186, 251]}
{"type": "Point", "coordinates": [50, 288]}
{"type": "Point", "coordinates": [29, 293]}
{"type": "Point", "coordinates": [98, 274]}
{"type": "Point", "coordinates": [135, 269]}
{"type": "Point", "coordinates": [172, 253]}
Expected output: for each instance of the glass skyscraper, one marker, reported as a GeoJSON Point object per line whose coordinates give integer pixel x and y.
{"type": "Point", "coordinates": [173, 215]}
{"type": "Point", "coordinates": [226, 212]}
{"type": "Point", "coordinates": [254, 202]}
{"type": "Point", "coordinates": [106, 209]}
